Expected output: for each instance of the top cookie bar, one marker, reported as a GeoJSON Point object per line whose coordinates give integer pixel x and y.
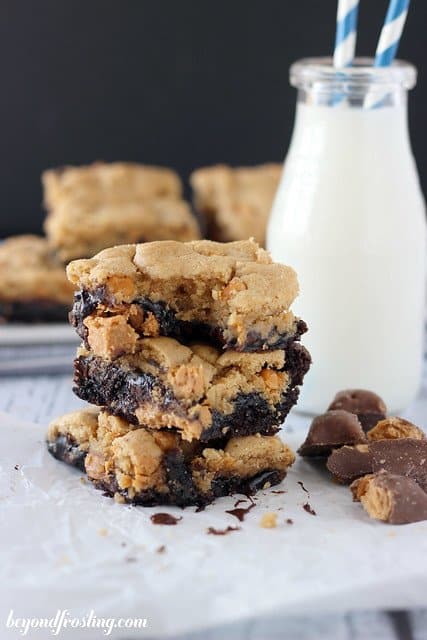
{"type": "Point", "coordinates": [236, 202]}
{"type": "Point", "coordinates": [102, 205]}
{"type": "Point", "coordinates": [231, 294]}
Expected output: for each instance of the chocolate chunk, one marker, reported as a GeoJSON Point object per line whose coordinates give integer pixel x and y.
{"type": "Point", "coordinates": [221, 532]}
{"type": "Point", "coordinates": [348, 463]}
{"type": "Point", "coordinates": [240, 512]}
{"type": "Point", "coordinates": [330, 431]}
{"type": "Point", "coordinates": [405, 457]}
{"type": "Point", "coordinates": [392, 498]}
{"type": "Point", "coordinates": [367, 405]}
{"type": "Point", "coordinates": [164, 518]}
{"type": "Point", "coordinates": [395, 428]}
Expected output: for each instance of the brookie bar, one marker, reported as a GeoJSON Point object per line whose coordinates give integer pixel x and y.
{"type": "Point", "coordinates": [232, 295]}
{"type": "Point", "coordinates": [145, 467]}
{"type": "Point", "coordinates": [203, 393]}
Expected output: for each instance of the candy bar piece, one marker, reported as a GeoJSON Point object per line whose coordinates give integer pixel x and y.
{"type": "Point", "coordinates": [348, 463]}
{"type": "Point", "coordinates": [33, 285]}
{"type": "Point", "coordinates": [392, 498]}
{"type": "Point", "coordinates": [405, 457]}
{"type": "Point", "coordinates": [395, 428]}
{"type": "Point", "coordinates": [145, 467]}
{"type": "Point", "coordinates": [330, 431]}
{"type": "Point", "coordinates": [102, 205]}
{"type": "Point", "coordinates": [198, 390]}
{"type": "Point", "coordinates": [232, 294]}
{"type": "Point", "coordinates": [236, 202]}
{"type": "Point", "coordinates": [368, 406]}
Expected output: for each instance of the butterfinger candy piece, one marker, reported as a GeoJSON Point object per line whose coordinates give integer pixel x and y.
{"type": "Point", "coordinates": [348, 463]}
{"type": "Point", "coordinates": [330, 431]}
{"type": "Point", "coordinates": [391, 498]}
{"type": "Point", "coordinates": [395, 428]}
{"type": "Point", "coordinates": [406, 457]}
{"type": "Point", "coordinates": [367, 405]}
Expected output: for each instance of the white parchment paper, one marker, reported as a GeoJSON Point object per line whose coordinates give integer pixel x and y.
{"type": "Point", "coordinates": [65, 546]}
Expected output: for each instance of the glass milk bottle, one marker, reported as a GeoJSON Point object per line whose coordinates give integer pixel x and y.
{"type": "Point", "coordinates": [349, 217]}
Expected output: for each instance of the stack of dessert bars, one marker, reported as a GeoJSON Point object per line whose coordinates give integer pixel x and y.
{"type": "Point", "coordinates": [192, 356]}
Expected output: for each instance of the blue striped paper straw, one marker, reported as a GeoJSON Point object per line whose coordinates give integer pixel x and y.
{"type": "Point", "coordinates": [345, 38]}
{"type": "Point", "coordinates": [391, 32]}
{"type": "Point", "coordinates": [388, 42]}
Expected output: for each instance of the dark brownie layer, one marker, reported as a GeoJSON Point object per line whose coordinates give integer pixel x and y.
{"type": "Point", "coordinates": [33, 311]}
{"type": "Point", "coordinates": [106, 384]}
{"type": "Point", "coordinates": [185, 494]}
{"type": "Point", "coordinates": [181, 489]}
{"type": "Point", "coordinates": [86, 302]}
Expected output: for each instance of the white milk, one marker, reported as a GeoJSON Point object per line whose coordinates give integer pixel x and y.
{"type": "Point", "coordinates": [349, 217]}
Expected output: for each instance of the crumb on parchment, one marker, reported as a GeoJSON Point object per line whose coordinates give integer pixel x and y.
{"type": "Point", "coordinates": [268, 520]}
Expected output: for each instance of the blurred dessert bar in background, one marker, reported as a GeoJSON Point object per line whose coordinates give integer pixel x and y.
{"type": "Point", "coordinates": [235, 202]}
{"type": "Point", "coordinates": [102, 205]}
{"type": "Point", "coordinates": [33, 284]}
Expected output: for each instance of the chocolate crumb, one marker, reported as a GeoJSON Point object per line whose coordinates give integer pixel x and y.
{"type": "Point", "coordinates": [123, 544]}
{"type": "Point", "coordinates": [307, 507]}
{"type": "Point", "coordinates": [16, 467]}
{"type": "Point", "coordinates": [240, 513]}
{"type": "Point", "coordinates": [130, 559]}
{"type": "Point", "coordinates": [164, 518]}
{"type": "Point", "coordinates": [236, 504]}
{"type": "Point", "coordinates": [302, 487]}
{"type": "Point", "coordinates": [161, 549]}
{"type": "Point", "coordinates": [278, 492]}
{"type": "Point", "coordinates": [289, 521]}
{"type": "Point", "coordinates": [221, 532]}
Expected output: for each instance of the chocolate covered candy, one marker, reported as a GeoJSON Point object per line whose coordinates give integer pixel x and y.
{"type": "Point", "coordinates": [331, 431]}
{"type": "Point", "coordinates": [405, 457]}
{"type": "Point", "coordinates": [348, 463]}
{"type": "Point", "coordinates": [392, 498]}
{"type": "Point", "coordinates": [367, 405]}
{"type": "Point", "coordinates": [395, 428]}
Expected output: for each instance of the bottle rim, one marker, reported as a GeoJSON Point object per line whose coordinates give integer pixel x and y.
{"type": "Point", "coordinates": [319, 73]}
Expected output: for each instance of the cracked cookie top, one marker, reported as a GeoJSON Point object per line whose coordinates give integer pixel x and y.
{"type": "Point", "coordinates": [235, 277]}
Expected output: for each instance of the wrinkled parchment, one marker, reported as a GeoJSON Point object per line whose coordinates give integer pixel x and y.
{"type": "Point", "coordinates": [65, 546]}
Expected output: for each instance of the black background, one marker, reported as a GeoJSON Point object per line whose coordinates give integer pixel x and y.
{"type": "Point", "coordinates": [177, 82]}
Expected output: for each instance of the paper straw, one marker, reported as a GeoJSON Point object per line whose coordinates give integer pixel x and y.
{"type": "Point", "coordinates": [391, 32]}
{"type": "Point", "coordinates": [345, 38]}
{"type": "Point", "coordinates": [388, 42]}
